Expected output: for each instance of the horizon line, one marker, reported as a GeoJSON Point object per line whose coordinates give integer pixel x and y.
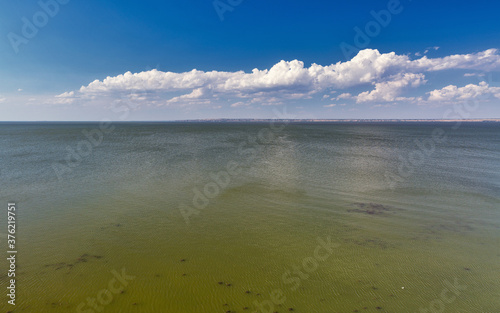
{"type": "Point", "coordinates": [272, 119]}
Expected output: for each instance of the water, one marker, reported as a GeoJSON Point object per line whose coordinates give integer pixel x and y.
{"type": "Point", "coordinates": [402, 238]}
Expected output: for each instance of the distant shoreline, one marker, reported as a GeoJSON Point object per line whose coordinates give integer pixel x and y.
{"type": "Point", "coordinates": [490, 120]}
{"type": "Point", "coordinates": [343, 120]}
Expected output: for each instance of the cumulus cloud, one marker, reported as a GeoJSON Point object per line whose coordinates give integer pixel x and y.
{"type": "Point", "coordinates": [67, 94]}
{"type": "Point", "coordinates": [487, 60]}
{"type": "Point", "coordinates": [468, 92]}
{"type": "Point", "coordinates": [390, 90]}
{"type": "Point", "coordinates": [390, 73]}
{"type": "Point", "coordinates": [192, 97]}
{"type": "Point", "coordinates": [67, 97]}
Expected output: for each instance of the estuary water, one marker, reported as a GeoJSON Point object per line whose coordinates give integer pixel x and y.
{"type": "Point", "coordinates": [252, 217]}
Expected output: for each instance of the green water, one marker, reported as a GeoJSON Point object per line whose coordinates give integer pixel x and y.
{"type": "Point", "coordinates": [123, 207]}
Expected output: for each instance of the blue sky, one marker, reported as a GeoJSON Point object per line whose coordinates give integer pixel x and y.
{"type": "Point", "coordinates": [419, 59]}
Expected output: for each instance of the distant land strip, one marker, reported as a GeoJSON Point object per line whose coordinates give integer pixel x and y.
{"type": "Point", "coordinates": [246, 120]}
{"type": "Point", "coordinates": [231, 120]}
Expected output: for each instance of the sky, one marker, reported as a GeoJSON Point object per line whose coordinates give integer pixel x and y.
{"type": "Point", "coordinates": [69, 60]}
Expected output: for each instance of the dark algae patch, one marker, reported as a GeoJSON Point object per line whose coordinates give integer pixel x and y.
{"type": "Point", "coordinates": [370, 208]}
{"type": "Point", "coordinates": [370, 242]}
{"type": "Point", "coordinates": [81, 259]}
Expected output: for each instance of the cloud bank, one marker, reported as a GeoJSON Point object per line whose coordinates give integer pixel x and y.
{"type": "Point", "coordinates": [468, 92]}
{"type": "Point", "coordinates": [385, 77]}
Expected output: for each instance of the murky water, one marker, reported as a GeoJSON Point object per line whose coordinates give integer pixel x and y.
{"type": "Point", "coordinates": [204, 217]}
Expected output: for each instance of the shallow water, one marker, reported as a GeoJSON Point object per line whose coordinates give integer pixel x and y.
{"type": "Point", "coordinates": [400, 246]}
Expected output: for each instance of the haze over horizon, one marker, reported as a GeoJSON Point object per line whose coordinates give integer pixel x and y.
{"type": "Point", "coordinates": [157, 61]}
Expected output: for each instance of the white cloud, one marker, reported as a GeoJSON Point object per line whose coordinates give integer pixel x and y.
{"type": "Point", "coordinates": [67, 94]}
{"type": "Point", "coordinates": [2, 99]}
{"type": "Point", "coordinates": [344, 95]}
{"type": "Point", "coordinates": [453, 93]}
{"type": "Point", "coordinates": [239, 104]}
{"type": "Point", "coordinates": [287, 80]}
{"type": "Point", "coordinates": [473, 74]}
{"type": "Point", "coordinates": [419, 54]}
{"type": "Point", "coordinates": [65, 98]}
{"type": "Point", "coordinates": [194, 96]}
{"type": "Point", "coordinates": [19, 90]}
{"type": "Point", "coordinates": [390, 90]}
{"type": "Point", "coordinates": [330, 105]}
{"type": "Point", "coordinates": [487, 60]}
